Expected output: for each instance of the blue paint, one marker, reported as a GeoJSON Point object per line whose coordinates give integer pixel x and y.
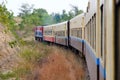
{"type": "Point", "coordinates": [97, 61]}
{"type": "Point", "coordinates": [76, 38]}
{"type": "Point", "coordinates": [102, 71]}
{"type": "Point", "coordinates": [83, 41]}
{"type": "Point", "coordinates": [38, 33]}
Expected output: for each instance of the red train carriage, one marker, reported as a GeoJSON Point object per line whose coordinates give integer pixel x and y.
{"type": "Point", "coordinates": [48, 34]}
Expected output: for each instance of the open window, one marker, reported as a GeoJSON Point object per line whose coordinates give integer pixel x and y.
{"type": "Point", "coordinates": [102, 33]}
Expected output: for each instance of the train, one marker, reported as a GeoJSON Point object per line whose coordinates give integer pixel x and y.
{"type": "Point", "coordinates": [94, 34]}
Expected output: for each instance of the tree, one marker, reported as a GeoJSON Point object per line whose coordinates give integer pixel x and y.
{"type": "Point", "coordinates": [25, 9]}
{"type": "Point", "coordinates": [25, 14]}
{"type": "Point", "coordinates": [43, 17]}
{"type": "Point", "coordinates": [71, 14]}
{"type": "Point", "coordinates": [56, 17]}
{"type": "Point", "coordinates": [6, 17]}
{"type": "Point", "coordinates": [64, 16]}
{"type": "Point", "coordinates": [76, 10]}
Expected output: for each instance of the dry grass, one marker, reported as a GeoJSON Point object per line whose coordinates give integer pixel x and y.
{"type": "Point", "coordinates": [43, 62]}
{"type": "Point", "coordinates": [62, 65]}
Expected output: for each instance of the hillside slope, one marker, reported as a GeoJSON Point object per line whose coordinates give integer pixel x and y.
{"type": "Point", "coordinates": [8, 49]}
{"type": "Point", "coordinates": [41, 61]}
{"type": "Point", "coordinates": [37, 61]}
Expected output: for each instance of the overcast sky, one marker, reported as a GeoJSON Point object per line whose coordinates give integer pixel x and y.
{"type": "Point", "coordinates": [49, 5]}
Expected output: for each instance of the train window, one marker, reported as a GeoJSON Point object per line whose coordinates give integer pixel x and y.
{"type": "Point", "coordinates": [48, 32]}
{"type": "Point", "coordinates": [94, 31]}
{"type": "Point", "coordinates": [90, 32]}
{"type": "Point", "coordinates": [102, 33]}
{"type": "Point", "coordinates": [74, 32]}
{"type": "Point", "coordinates": [79, 33]}
{"type": "Point", "coordinates": [87, 32]}
{"type": "Point", "coordinates": [60, 33]}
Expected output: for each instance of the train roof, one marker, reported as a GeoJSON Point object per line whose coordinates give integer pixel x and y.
{"type": "Point", "coordinates": [39, 26]}
{"type": "Point", "coordinates": [56, 24]}
{"type": "Point", "coordinates": [78, 16]}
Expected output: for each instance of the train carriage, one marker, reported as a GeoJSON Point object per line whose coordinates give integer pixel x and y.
{"type": "Point", "coordinates": [61, 33]}
{"type": "Point", "coordinates": [48, 33]}
{"type": "Point", "coordinates": [39, 33]}
{"type": "Point", "coordinates": [90, 40]}
{"type": "Point", "coordinates": [76, 32]}
{"type": "Point", "coordinates": [112, 38]}
{"type": "Point", "coordinates": [95, 33]}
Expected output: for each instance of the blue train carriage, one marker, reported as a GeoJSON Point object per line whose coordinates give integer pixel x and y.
{"type": "Point", "coordinates": [91, 40]}
{"type": "Point", "coordinates": [39, 33]}
{"type": "Point", "coordinates": [61, 33]}
{"type": "Point", "coordinates": [77, 32]}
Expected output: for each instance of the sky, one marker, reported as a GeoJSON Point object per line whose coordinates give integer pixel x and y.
{"type": "Point", "coordinates": [50, 5]}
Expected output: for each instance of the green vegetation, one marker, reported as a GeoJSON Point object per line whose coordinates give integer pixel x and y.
{"type": "Point", "coordinates": [32, 53]}
{"type": "Point", "coordinates": [12, 43]}
{"type": "Point", "coordinates": [6, 17]}
{"type": "Point", "coordinates": [31, 16]}
{"type": "Point", "coordinates": [7, 75]}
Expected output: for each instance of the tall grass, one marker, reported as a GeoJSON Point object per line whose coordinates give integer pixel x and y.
{"type": "Point", "coordinates": [31, 54]}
